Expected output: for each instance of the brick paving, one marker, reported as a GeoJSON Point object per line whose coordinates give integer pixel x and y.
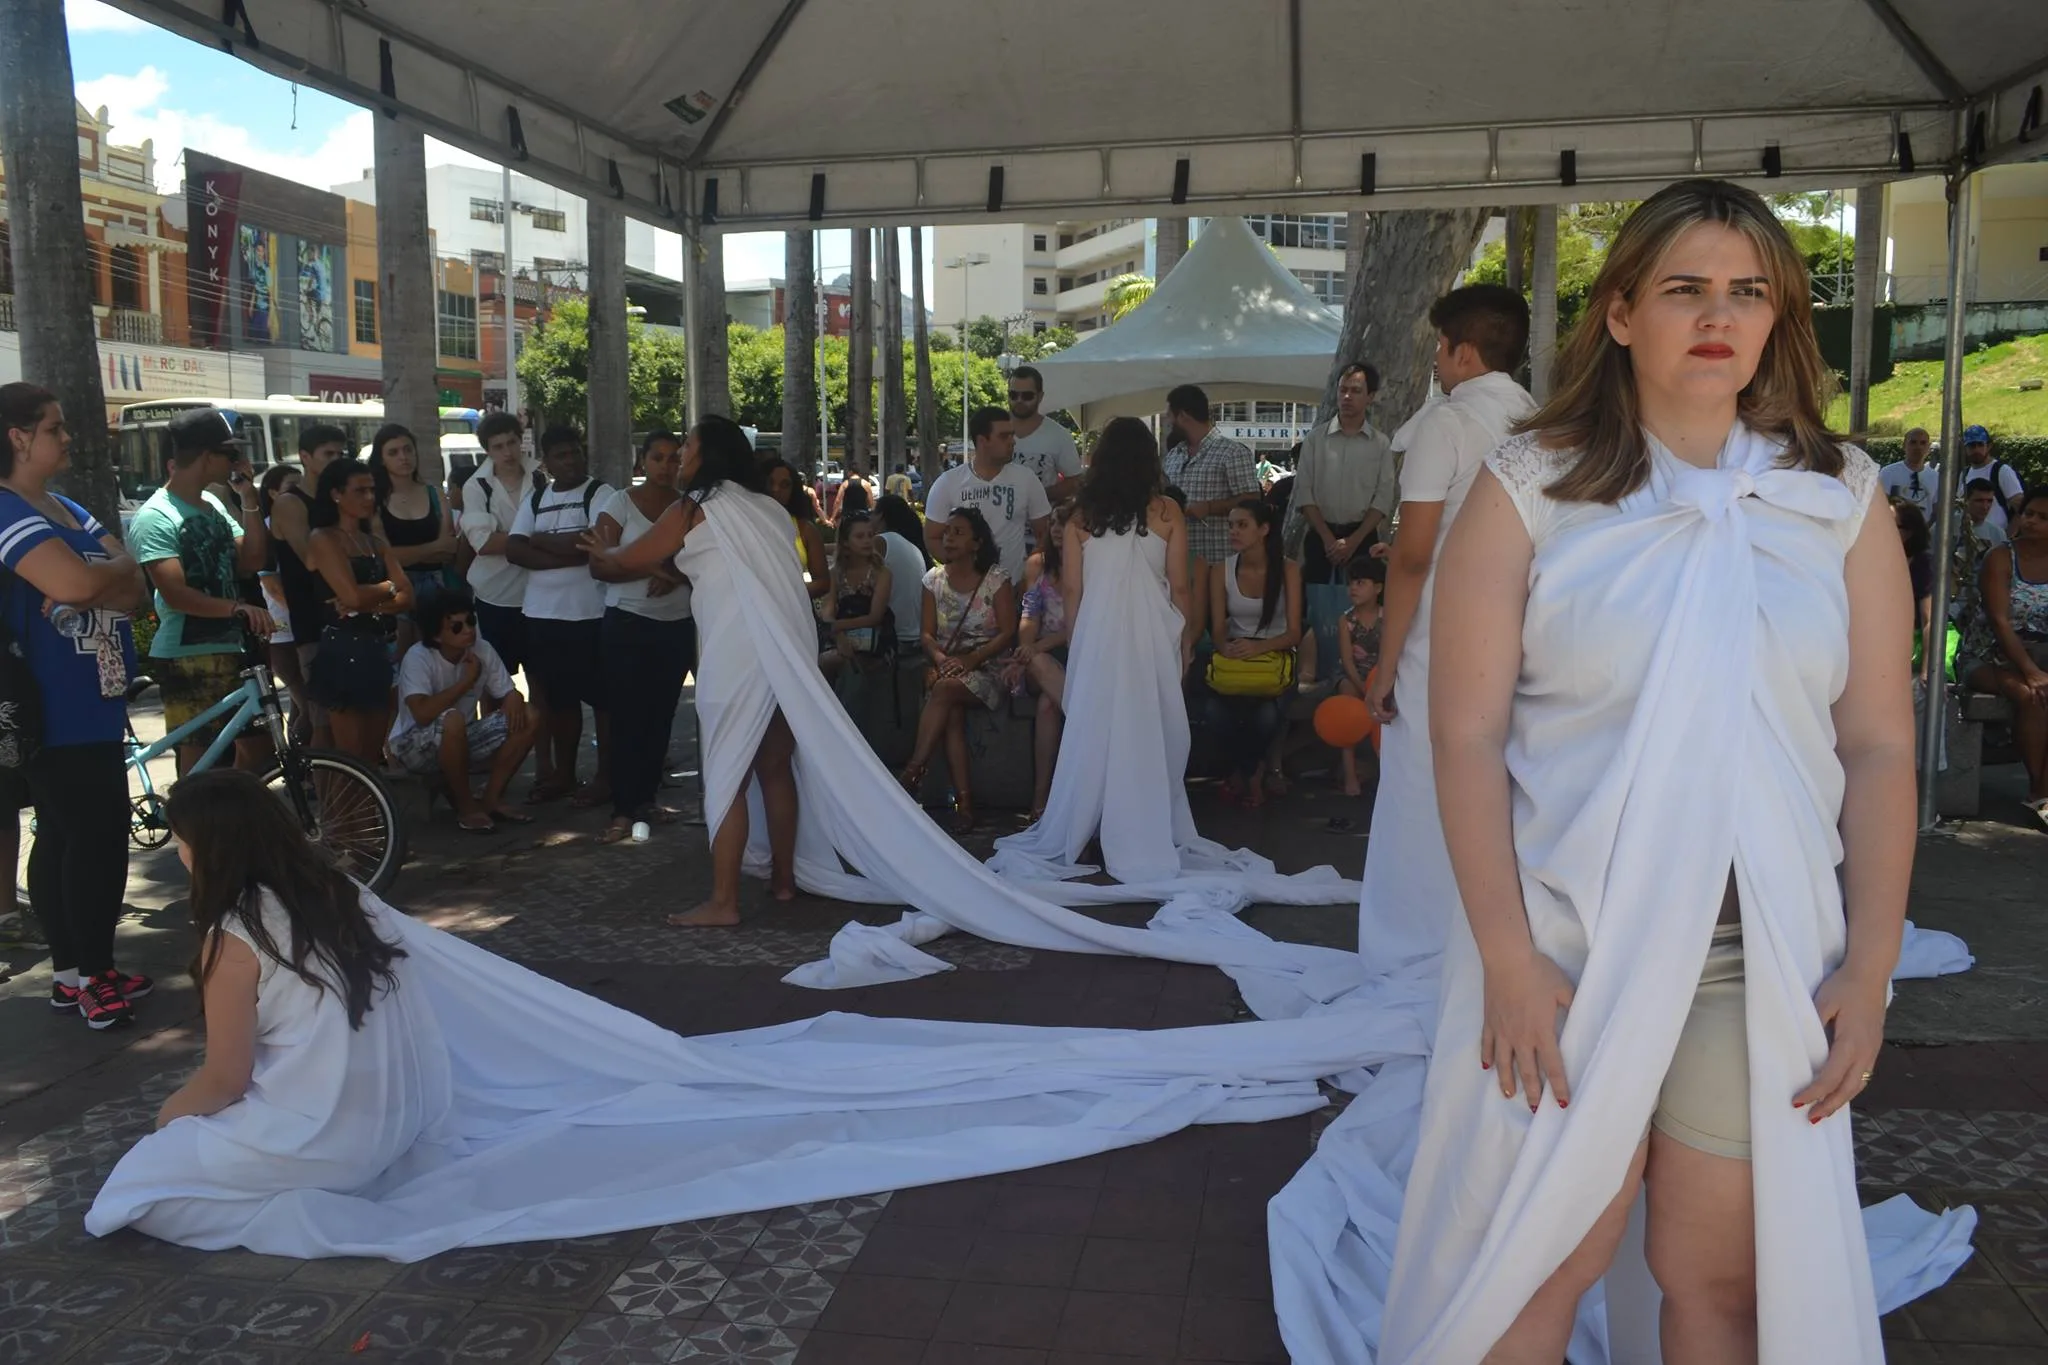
{"type": "Point", "coordinates": [1154, 1253]}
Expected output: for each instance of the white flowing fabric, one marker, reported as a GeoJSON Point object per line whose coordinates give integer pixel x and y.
{"type": "Point", "coordinates": [1723, 615]}
{"type": "Point", "coordinates": [1408, 897]}
{"type": "Point", "coordinates": [1124, 756]}
{"type": "Point", "coordinates": [860, 836]}
{"type": "Point", "coordinates": [481, 1104]}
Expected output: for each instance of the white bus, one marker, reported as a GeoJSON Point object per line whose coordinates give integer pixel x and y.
{"type": "Point", "coordinates": [271, 426]}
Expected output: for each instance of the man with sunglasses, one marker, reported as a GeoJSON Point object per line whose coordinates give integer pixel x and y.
{"type": "Point", "coordinates": [1913, 479]}
{"type": "Point", "coordinates": [458, 712]}
{"type": "Point", "coordinates": [1044, 447]}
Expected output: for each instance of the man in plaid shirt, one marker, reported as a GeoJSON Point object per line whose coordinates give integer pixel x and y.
{"type": "Point", "coordinates": [1214, 471]}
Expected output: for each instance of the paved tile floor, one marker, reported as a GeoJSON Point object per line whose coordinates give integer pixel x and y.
{"type": "Point", "coordinates": [1154, 1253]}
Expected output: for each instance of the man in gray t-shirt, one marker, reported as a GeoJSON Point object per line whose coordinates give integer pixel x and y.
{"type": "Point", "coordinates": [1044, 447]}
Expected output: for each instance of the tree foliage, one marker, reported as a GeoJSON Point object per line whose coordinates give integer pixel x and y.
{"type": "Point", "coordinates": [554, 370]}
{"type": "Point", "coordinates": [1125, 293]}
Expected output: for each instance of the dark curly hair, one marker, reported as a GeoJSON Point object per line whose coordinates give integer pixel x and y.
{"type": "Point", "coordinates": [1122, 479]}
{"type": "Point", "coordinates": [725, 455]}
{"type": "Point", "coordinates": [986, 555]}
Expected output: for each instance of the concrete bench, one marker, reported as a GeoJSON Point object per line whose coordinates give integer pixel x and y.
{"type": "Point", "coordinates": [1958, 789]}
{"type": "Point", "coordinates": [886, 710]}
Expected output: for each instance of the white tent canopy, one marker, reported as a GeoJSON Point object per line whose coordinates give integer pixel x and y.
{"type": "Point", "coordinates": [1229, 317]}
{"type": "Point", "coordinates": [851, 112]}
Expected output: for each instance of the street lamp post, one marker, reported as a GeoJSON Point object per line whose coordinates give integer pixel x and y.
{"type": "Point", "coordinates": [965, 265]}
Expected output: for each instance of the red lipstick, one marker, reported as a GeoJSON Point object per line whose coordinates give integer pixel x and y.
{"type": "Point", "coordinates": [1712, 350]}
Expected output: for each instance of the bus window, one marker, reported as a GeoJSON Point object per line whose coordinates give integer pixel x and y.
{"type": "Point", "coordinates": [139, 457]}
{"type": "Point", "coordinates": [250, 429]}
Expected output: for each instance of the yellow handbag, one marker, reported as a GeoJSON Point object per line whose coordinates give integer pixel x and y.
{"type": "Point", "coordinates": [1263, 675]}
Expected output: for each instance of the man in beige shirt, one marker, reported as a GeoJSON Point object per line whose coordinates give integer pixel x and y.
{"type": "Point", "coordinates": [1345, 484]}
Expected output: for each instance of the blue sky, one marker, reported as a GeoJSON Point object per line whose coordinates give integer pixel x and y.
{"type": "Point", "coordinates": [180, 94]}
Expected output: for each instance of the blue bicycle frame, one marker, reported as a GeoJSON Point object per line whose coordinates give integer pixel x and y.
{"type": "Point", "coordinates": [245, 701]}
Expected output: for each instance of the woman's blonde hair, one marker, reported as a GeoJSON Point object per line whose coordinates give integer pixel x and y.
{"type": "Point", "coordinates": [1594, 410]}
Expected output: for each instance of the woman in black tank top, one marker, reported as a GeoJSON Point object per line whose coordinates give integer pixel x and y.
{"type": "Point", "coordinates": [364, 588]}
{"type": "Point", "coordinates": [415, 522]}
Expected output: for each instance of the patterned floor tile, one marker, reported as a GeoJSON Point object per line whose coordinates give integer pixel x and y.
{"type": "Point", "coordinates": [708, 1239]}
{"type": "Point", "coordinates": [669, 1288]}
{"type": "Point", "coordinates": [561, 1278]}
{"type": "Point", "coordinates": [401, 1322]}
{"type": "Point", "coordinates": [472, 1272]}
{"type": "Point", "coordinates": [496, 1334]}
{"type": "Point", "coordinates": [617, 1339]}
{"type": "Point", "coordinates": [149, 1348]}
{"type": "Point", "coordinates": [774, 1296]}
{"type": "Point", "coordinates": [229, 1312]}
{"type": "Point", "coordinates": [734, 1343]}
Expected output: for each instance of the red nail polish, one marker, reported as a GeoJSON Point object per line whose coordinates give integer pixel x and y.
{"type": "Point", "coordinates": [1814, 1119]}
{"type": "Point", "coordinates": [1486, 1066]}
{"type": "Point", "coordinates": [1564, 1104]}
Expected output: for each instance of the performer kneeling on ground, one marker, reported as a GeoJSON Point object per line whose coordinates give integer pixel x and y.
{"type": "Point", "coordinates": [719, 462]}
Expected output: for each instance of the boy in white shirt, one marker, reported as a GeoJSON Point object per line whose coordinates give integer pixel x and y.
{"type": "Point", "coordinates": [1010, 497]}
{"type": "Point", "coordinates": [443, 681]}
{"type": "Point", "coordinates": [564, 610]}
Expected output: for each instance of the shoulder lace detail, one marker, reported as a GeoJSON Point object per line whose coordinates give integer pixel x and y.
{"type": "Point", "coordinates": [1525, 468]}
{"type": "Point", "coordinates": [1859, 473]}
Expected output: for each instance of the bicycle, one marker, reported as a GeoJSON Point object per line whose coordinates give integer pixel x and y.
{"type": "Point", "coordinates": [340, 802]}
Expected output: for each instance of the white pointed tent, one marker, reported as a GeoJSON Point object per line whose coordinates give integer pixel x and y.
{"type": "Point", "coordinates": [1229, 317]}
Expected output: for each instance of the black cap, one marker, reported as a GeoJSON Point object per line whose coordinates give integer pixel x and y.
{"type": "Point", "coordinates": [198, 430]}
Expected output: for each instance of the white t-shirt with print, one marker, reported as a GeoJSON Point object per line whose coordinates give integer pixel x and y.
{"type": "Point", "coordinates": [1010, 502]}
{"type": "Point", "coordinates": [426, 672]}
{"type": "Point", "coordinates": [1897, 479]}
{"type": "Point", "coordinates": [1050, 453]}
{"type": "Point", "coordinates": [569, 594]}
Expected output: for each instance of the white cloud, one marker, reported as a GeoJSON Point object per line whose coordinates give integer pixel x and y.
{"type": "Point", "coordinates": [137, 110]}
{"type": "Point", "coordinates": [90, 16]}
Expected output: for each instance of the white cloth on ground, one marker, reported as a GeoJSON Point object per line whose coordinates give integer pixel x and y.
{"type": "Point", "coordinates": [482, 1104]}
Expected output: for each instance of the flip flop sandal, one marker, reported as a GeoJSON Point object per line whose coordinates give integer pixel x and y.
{"type": "Point", "coordinates": [466, 825]}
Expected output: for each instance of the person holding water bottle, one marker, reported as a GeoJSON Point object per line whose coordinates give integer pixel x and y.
{"type": "Point", "coordinates": [69, 589]}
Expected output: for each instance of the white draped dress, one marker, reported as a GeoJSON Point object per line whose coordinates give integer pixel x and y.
{"type": "Point", "coordinates": [1123, 757]}
{"type": "Point", "coordinates": [1681, 653]}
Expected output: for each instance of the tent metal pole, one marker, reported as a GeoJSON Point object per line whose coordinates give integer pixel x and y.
{"type": "Point", "coordinates": [1934, 649]}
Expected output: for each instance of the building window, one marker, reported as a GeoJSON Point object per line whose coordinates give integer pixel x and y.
{"type": "Point", "coordinates": [1066, 239]}
{"type": "Point", "coordinates": [1329, 286]}
{"type": "Point", "coordinates": [129, 276]}
{"type": "Point", "coordinates": [366, 312]}
{"type": "Point", "coordinates": [1038, 285]}
{"type": "Point", "coordinates": [493, 261]}
{"type": "Point", "coordinates": [457, 326]}
{"type": "Point", "coordinates": [487, 210]}
{"type": "Point", "coordinates": [1231, 412]}
{"type": "Point", "coordinates": [550, 220]}
{"type": "Point", "coordinates": [1038, 329]}
{"type": "Point", "coordinates": [1066, 282]}
{"type": "Point", "coordinates": [1038, 241]}
{"type": "Point", "coordinates": [1323, 231]}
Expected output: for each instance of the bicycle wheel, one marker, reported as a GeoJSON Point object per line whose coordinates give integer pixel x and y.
{"type": "Point", "coordinates": [351, 815]}
{"type": "Point", "coordinates": [146, 823]}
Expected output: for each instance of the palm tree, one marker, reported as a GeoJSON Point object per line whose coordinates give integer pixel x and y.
{"type": "Point", "coordinates": [799, 355]}
{"type": "Point", "coordinates": [921, 352]}
{"type": "Point", "coordinates": [1125, 293]}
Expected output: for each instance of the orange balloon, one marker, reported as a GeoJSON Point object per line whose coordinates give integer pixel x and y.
{"type": "Point", "coordinates": [1342, 722]}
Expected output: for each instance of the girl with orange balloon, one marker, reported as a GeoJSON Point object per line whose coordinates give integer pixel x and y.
{"type": "Point", "coordinates": [1344, 721]}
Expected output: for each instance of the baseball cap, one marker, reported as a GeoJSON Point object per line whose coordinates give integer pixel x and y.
{"type": "Point", "coordinates": [1975, 435]}
{"type": "Point", "coordinates": [202, 429]}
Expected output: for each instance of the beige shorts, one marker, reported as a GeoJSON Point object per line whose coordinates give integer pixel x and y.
{"type": "Point", "coordinates": [1705, 1100]}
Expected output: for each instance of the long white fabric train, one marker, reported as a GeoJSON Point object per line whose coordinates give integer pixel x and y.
{"type": "Point", "coordinates": [1723, 615]}
{"type": "Point", "coordinates": [482, 1104]}
{"type": "Point", "coordinates": [861, 838]}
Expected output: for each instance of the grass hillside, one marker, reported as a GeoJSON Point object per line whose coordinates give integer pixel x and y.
{"type": "Point", "coordinates": [1991, 392]}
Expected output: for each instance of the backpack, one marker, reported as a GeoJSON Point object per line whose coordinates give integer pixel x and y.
{"type": "Point", "coordinates": [21, 696]}
{"type": "Point", "coordinates": [540, 491]}
{"type": "Point", "coordinates": [465, 553]}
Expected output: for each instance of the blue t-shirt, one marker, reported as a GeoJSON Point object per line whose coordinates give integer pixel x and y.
{"type": "Point", "coordinates": [67, 670]}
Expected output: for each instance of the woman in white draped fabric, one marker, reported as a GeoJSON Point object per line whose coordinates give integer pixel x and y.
{"type": "Point", "coordinates": [719, 461]}
{"type": "Point", "coordinates": [1670, 697]}
{"type": "Point", "coordinates": [1124, 569]}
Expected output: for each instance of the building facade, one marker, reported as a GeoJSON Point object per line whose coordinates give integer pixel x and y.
{"type": "Point", "coordinates": [1042, 275]}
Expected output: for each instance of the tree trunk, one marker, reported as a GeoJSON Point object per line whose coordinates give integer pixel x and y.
{"type": "Point", "coordinates": [894, 427]}
{"type": "Point", "coordinates": [1173, 244]}
{"type": "Point", "coordinates": [1410, 258]}
{"type": "Point", "coordinates": [1542, 299]}
{"type": "Point", "coordinates": [1357, 227]}
{"type": "Point", "coordinates": [1513, 248]}
{"type": "Point", "coordinates": [53, 282]}
{"type": "Point", "coordinates": [860, 355]}
{"type": "Point", "coordinates": [799, 355]}
{"type": "Point", "coordinates": [921, 345]}
{"type": "Point", "coordinates": [717, 384]}
{"type": "Point", "coordinates": [407, 299]}
{"type": "Point", "coordinates": [1870, 236]}
{"type": "Point", "coordinates": [609, 420]}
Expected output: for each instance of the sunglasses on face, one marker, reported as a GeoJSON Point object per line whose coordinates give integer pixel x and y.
{"type": "Point", "coordinates": [1023, 396]}
{"type": "Point", "coordinates": [458, 623]}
